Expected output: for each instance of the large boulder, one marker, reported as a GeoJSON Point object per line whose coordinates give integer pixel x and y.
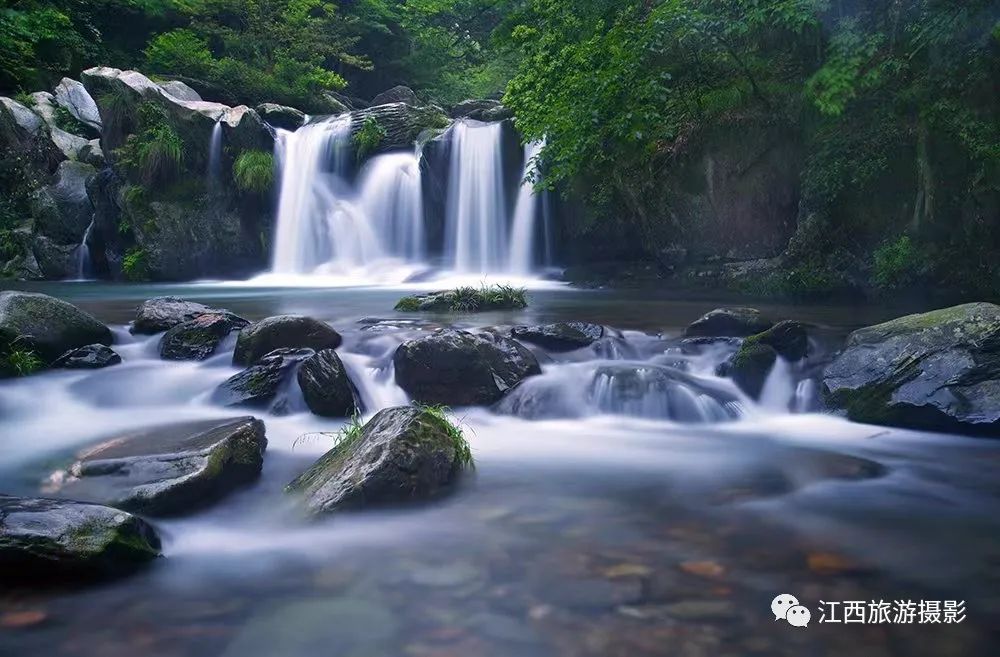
{"type": "Point", "coordinates": [401, 122]}
{"type": "Point", "coordinates": [162, 313]}
{"type": "Point", "coordinates": [262, 384]}
{"type": "Point", "coordinates": [46, 325]}
{"type": "Point", "coordinates": [51, 541]}
{"type": "Point", "coordinates": [752, 363]}
{"type": "Point", "coordinates": [198, 338]}
{"type": "Point", "coordinates": [180, 90]}
{"type": "Point", "coordinates": [398, 94]}
{"type": "Point", "coordinates": [561, 336]}
{"type": "Point", "coordinates": [729, 322]}
{"type": "Point", "coordinates": [402, 454]}
{"type": "Point", "coordinates": [481, 110]}
{"type": "Point", "coordinates": [90, 357]}
{"type": "Point", "coordinates": [326, 387]}
{"type": "Point", "coordinates": [283, 331]}
{"type": "Point", "coordinates": [458, 368]}
{"type": "Point", "coordinates": [25, 141]}
{"type": "Point", "coordinates": [281, 116]}
{"type": "Point", "coordinates": [62, 211]}
{"type": "Point", "coordinates": [938, 370]}
{"type": "Point", "coordinates": [73, 96]}
{"type": "Point", "coordinates": [167, 470]}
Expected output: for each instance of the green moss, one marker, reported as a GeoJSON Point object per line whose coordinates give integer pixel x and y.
{"type": "Point", "coordinates": [135, 264]}
{"type": "Point", "coordinates": [898, 263]}
{"type": "Point", "coordinates": [408, 304]}
{"type": "Point", "coordinates": [156, 152]}
{"type": "Point", "coordinates": [368, 138]}
{"type": "Point", "coordinates": [467, 299]}
{"type": "Point", "coordinates": [440, 416]}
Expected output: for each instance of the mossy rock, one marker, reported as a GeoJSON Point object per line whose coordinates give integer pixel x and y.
{"type": "Point", "coordinates": [283, 332]}
{"type": "Point", "coordinates": [46, 326]}
{"type": "Point", "coordinates": [402, 454]}
{"type": "Point", "coordinates": [198, 338]}
{"type": "Point", "coordinates": [729, 322]}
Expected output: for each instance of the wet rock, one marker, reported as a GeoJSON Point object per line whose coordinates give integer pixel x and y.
{"type": "Point", "coordinates": [562, 336]}
{"type": "Point", "coordinates": [938, 370]}
{"type": "Point", "coordinates": [46, 325]}
{"type": "Point", "coordinates": [729, 322]}
{"type": "Point", "coordinates": [74, 97]}
{"type": "Point", "coordinates": [198, 338]}
{"type": "Point", "coordinates": [398, 94]}
{"type": "Point", "coordinates": [168, 470]}
{"type": "Point", "coordinates": [402, 123]}
{"type": "Point", "coordinates": [281, 116]}
{"type": "Point", "coordinates": [789, 339]}
{"type": "Point", "coordinates": [162, 313]}
{"type": "Point", "coordinates": [62, 210]}
{"type": "Point", "coordinates": [283, 331]}
{"type": "Point", "coordinates": [457, 368]}
{"type": "Point", "coordinates": [460, 300]}
{"type": "Point", "coordinates": [402, 454]}
{"type": "Point", "coordinates": [750, 366]}
{"type": "Point", "coordinates": [326, 387]}
{"type": "Point", "coordinates": [261, 385]}
{"type": "Point", "coordinates": [46, 541]}
{"type": "Point", "coordinates": [90, 357]}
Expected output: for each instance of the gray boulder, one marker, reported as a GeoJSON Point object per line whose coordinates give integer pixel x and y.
{"type": "Point", "coordinates": [62, 210]}
{"type": "Point", "coordinates": [51, 541]}
{"type": "Point", "coordinates": [162, 313]}
{"type": "Point", "coordinates": [326, 387]}
{"type": "Point", "coordinates": [562, 336]}
{"type": "Point", "coordinates": [457, 368]}
{"type": "Point", "coordinates": [74, 97]}
{"type": "Point", "coordinates": [90, 357]}
{"type": "Point", "coordinates": [402, 454]}
{"type": "Point", "coordinates": [180, 91]}
{"type": "Point", "coordinates": [283, 331]}
{"type": "Point", "coordinates": [938, 371]}
{"type": "Point", "coordinates": [481, 110]}
{"type": "Point", "coordinates": [167, 470]}
{"type": "Point", "coordinates": [282, 116]}
{"type": "Point", "coordinates": [401, 122]}
{"type": "Point", "coordinates": [262, 384]}
{"type": "Point", "coordinates": [198, 338]}
{"type": "Point", "coordinates": [729, 322]}
{"type": "Point", "coordinates": [398, 94]}
{"type": "Point", "coordinates": [46, 325]}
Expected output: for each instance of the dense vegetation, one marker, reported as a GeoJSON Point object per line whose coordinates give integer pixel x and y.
{"type": "Point", "coordinates": [892, 106]}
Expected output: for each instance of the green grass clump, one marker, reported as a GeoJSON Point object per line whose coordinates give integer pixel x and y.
{"type": "Point", "coordinates": [156, 152]}
{"type": "Point", "coordinates": [467, 299]}
{"type": "Point", "coordinates": [20, 362]}
{"type": "Point", "coordinates": [253, 171]}
{"type": "Point", "coordinates": [409, 304]}
{"type": "Point", "coordinates": [135, 265]}
{"type": "Point", "coordinates": [368, 138]}
{"type": "Point", "coordinates": [463, 451]}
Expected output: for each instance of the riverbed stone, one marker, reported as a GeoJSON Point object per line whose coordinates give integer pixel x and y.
{"type": "Point", "coordinates": [167, 470]}
{"type": "Point", "coordinates": [938, 370]}
{"type": "Point", "coordinates": [561, 336]}
{"type": "Point", "coordinates": [750, 366]}
{"type": "Point", "coordinates": [162, 313]}
{"type": "Point", "coordinates": [261, 385]}
{"type": "Point", "coordinates": [735, 322]}
{"type": "Point", "coordinates": [402, 454]}
{"type": "Point", "coordinates": [53, 541]}
{"type": "Point", "coordinates": [283, 331]}
{"type": "Point", "coordinates": [198, 338]}
{"type": "Point", "coordinates": [458, 368]}
{"type": "Point", "coordinates": [326, 387]}
{"type": "Point", "coordinates": [89, 357]}
{"type": "Point", "coordinates": [45, 325]}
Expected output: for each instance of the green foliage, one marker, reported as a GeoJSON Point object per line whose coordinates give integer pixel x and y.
{"type": "Point", "coordinates": [180, 51]}
{"type": "Point", "coordinates": [156, 152]}
{"type": "Point", "coordinates": [253, 171]}
{"type": "Point", "coordinates": [467, 299]}
{"type": "Point", "coordinates": [898, 263]}
{"type": "Point", "coordinates": [463, 451]}
{"type": "Point", "coordinates": [135, 264]}
{"type": "Point", "coordinates": [66, 121]}
{"type": "Point", "coordinates": [118, 113]}
{"type": "Point", "coordinates": [19, 362]}
{"type": "Point", "coordinates": [368, 138]}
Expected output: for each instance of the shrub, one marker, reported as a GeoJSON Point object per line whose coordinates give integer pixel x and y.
{"type": "Point", "coordinates": [118, 113]}
{"type": "Point", "coordinates": [369, 136]}
{"type": "Point", "coordinates": [135, 265]}
{"type": "Point", "coordinates": [463, 452]}
{"type": "Point", "coordinates": [180, 51]}
{"type": "Point", "coordinates": [156, 152]}
{"type": "Point", "coordinates": [253, 171]}
{"type": "Point", "coordinates": [20, 362]}
{"type": "Point", "coordinates": [66, 121]}
{"type": "Point", "coordinates": [898, 263]}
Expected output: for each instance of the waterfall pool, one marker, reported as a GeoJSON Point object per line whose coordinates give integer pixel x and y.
{"type": "Point", "coordinates": [603, 526]}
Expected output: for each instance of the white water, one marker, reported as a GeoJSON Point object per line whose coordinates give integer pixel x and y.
{"type": "Point", "coordinates": [215, 154]}
{"type": "Point", "coordinates": [522, 239]}
{"type": "Point", "coordinates": [390, 198]}
{"type": "Point", "coordinates": [83, 254]}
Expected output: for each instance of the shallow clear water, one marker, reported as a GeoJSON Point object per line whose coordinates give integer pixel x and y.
{"type": "Point", "coordinates": [588, 533]}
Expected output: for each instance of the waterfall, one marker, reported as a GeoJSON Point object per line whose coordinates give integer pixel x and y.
{"type": "Point", "coordinates": [390, 195]}
{"type": "Point", "coordinates": [83, 254]}
{"type": "Point", "coordinates": [215, 154]}
{"type": "Point", "coordinates": [522, 239]}
{"type": "Point", "coordinates": [476, 215]}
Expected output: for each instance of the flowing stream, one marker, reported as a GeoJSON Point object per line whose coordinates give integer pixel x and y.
{"type": "Point", "coordinates": [627, 501]}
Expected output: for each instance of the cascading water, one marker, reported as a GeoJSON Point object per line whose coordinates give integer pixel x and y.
{"type": "Point", "coordinates": [522, 239]}
{"type": "Point", "coordinates": [390, 196]}
{"type": "Point", "coordinates": [215, 154]}
{"type": "Point", "coordinates": [476, 223]}
{"type": "Point", "coordinates": [83, 254]}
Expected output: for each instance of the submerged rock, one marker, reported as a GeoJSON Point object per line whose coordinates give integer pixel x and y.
{"type": "Point", "coordinates": [325, 386]}
{"type": "Point", "coordinates": [162, 313]}
{"type": "Point", "coordinates": [753, 361]}
{"type": "Point", "coordinates": [198, 338]}
{"type": "Point", "coordinates": [938, 370]}
{"type": "Point", "coordinates": [283, 331]}
{"type": "Point", "coordinates": [168, 470]}
{"type": "Point", "coordinates": [729, 322]}
{"type": "Point", "coordinates": [43, 540]}
{"type": "Point", "coordinates": [562, 336]}
{"type": "Point", "coordinates": [90, 357]}
{"type": "Point", "coordinates": [46, 325]}
{"type": "Point", "coordinates": [260, 384]}
{"type": "Point", "coordinates": [402, 454]}
{"type": "Point", "coordinates": [457, 368]}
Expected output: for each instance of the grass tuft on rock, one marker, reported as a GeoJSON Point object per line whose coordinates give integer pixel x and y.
{"type": "Point", "coordinates": [253, 171]}
{"type": "Point", "coordinates": [463, 451]}
{"type": "Point", "coordinates": [467, 299]}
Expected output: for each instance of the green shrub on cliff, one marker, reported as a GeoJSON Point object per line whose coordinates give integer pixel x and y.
{"type": "Point", "coordinates": [135, 265]}
{"type": "Point", "coordinates": [368, 138]}
{"type": "Point", "coordinates": [156, 152]}
{"type": "Point", "coordinates": [253, 171]}
{"type": "Point", "coordinates": [898, 263]}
